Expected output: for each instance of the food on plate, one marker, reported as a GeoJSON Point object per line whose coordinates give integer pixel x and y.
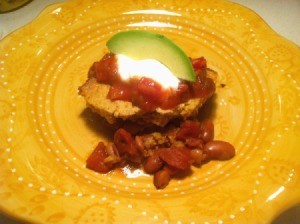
{"type": "Point", "coordinates": [149, 91]}
{"type": "Point", "coordinates": [164, 154]}
{"type": "Point", "coordinates": [147, 81]}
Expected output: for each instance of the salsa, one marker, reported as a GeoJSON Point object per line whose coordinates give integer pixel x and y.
{"type": "Point", "coordinates": [145, 92]}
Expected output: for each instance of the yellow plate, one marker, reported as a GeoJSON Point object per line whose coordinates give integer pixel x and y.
{"type": "Point", "coordinates": [46, 132]}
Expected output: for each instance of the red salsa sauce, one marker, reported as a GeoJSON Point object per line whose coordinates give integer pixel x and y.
{"type": "Point", "coordinates": [146, 93]}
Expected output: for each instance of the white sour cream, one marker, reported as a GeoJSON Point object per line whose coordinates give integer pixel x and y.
{"type": "Point", "coordinates": [150, 68]}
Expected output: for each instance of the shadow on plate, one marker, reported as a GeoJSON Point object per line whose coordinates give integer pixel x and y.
{"type": "Point", "coordinates": [97, 124]}
{"type": "Point", "coordinates": [208, 110]}
{"type": "Point", "coordinates": [289, 216]}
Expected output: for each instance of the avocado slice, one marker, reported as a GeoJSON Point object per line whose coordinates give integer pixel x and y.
{"type": "Point", "coordinates": [140, 45]}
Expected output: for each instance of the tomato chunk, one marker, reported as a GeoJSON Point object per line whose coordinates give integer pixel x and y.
{"type": "Point", "coordinates": [106, 70]}
{"type": "Point", "coordinates": [189, 129]}
{"type": "Point", "coordinates": [199, 63]}
{"type": "Point", "coordinates": [205, 89]}
{"type": "Point", "coordinates": [126, 145]}
{"type": "Point", "coordinates": [119, 91]}
{"type": "Point", "coordinates": [96, 161]}
{"type": "Point", "coordinates": [181, 94]}
{"type": "Point", "coordinates": [151, 90]}
{"type": "Point", "coordinates": [177, 157]}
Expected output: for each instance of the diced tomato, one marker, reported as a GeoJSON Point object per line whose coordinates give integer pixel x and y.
{"type": "Point", "coordinates": [119, 91]}
{"type": "Point", "coordinates": [189, 129]}
{"type": "Point", "coordinates": [172, 101]}
{"type": "Point", "coordinates": [182, 94]}
{"type": "Point", "coordinates": [96, 160]}
{"type": "Point", "coordinates": [201, 76]}
{"type": "Point", "coordinates": [123, 140]}
{"type": "Point", "coordinates": [126, 145]}
{"type": "Point", "coordinates": [177, 157]}
{"type": "Point", "coordinates": [145, 104]}
{"type": "Point", "coordinates": [148, 87]}
{"type": "Point", "coordinates": [151, 90]}
{"type": "Point", "coordinates": [199, 63]}
{"type": "Point", "coordinates": [106, 70]}
{"type": "Point", "coordinates": [204, 90]}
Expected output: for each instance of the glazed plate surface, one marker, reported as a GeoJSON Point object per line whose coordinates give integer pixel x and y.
{"type": "Point", "coordinates": [47, 132]}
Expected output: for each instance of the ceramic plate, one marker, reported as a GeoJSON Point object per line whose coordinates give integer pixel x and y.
{"type": "Point", "coordinates": [47, 133]}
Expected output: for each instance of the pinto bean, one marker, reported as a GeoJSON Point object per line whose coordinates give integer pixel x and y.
{"type": "Point", "coordinates": [153, 164]}
{"type": "Point", "coordinates": [161, 179]}
{"type": "Point", "coordinates": [171, 170]}
{"type": "Point", "coordinates": [219, 150]}
{"type": "Point", "coordinates": [197, 156]}
{"type": "Point", "coordinates": [207, 130]}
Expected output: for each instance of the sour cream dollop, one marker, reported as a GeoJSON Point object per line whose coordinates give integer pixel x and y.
{"type": "Point", "coordinates": [150, 68]}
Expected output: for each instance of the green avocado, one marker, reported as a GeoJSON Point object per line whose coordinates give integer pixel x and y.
{"type": "Point", "coordinates": [140, 45]}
